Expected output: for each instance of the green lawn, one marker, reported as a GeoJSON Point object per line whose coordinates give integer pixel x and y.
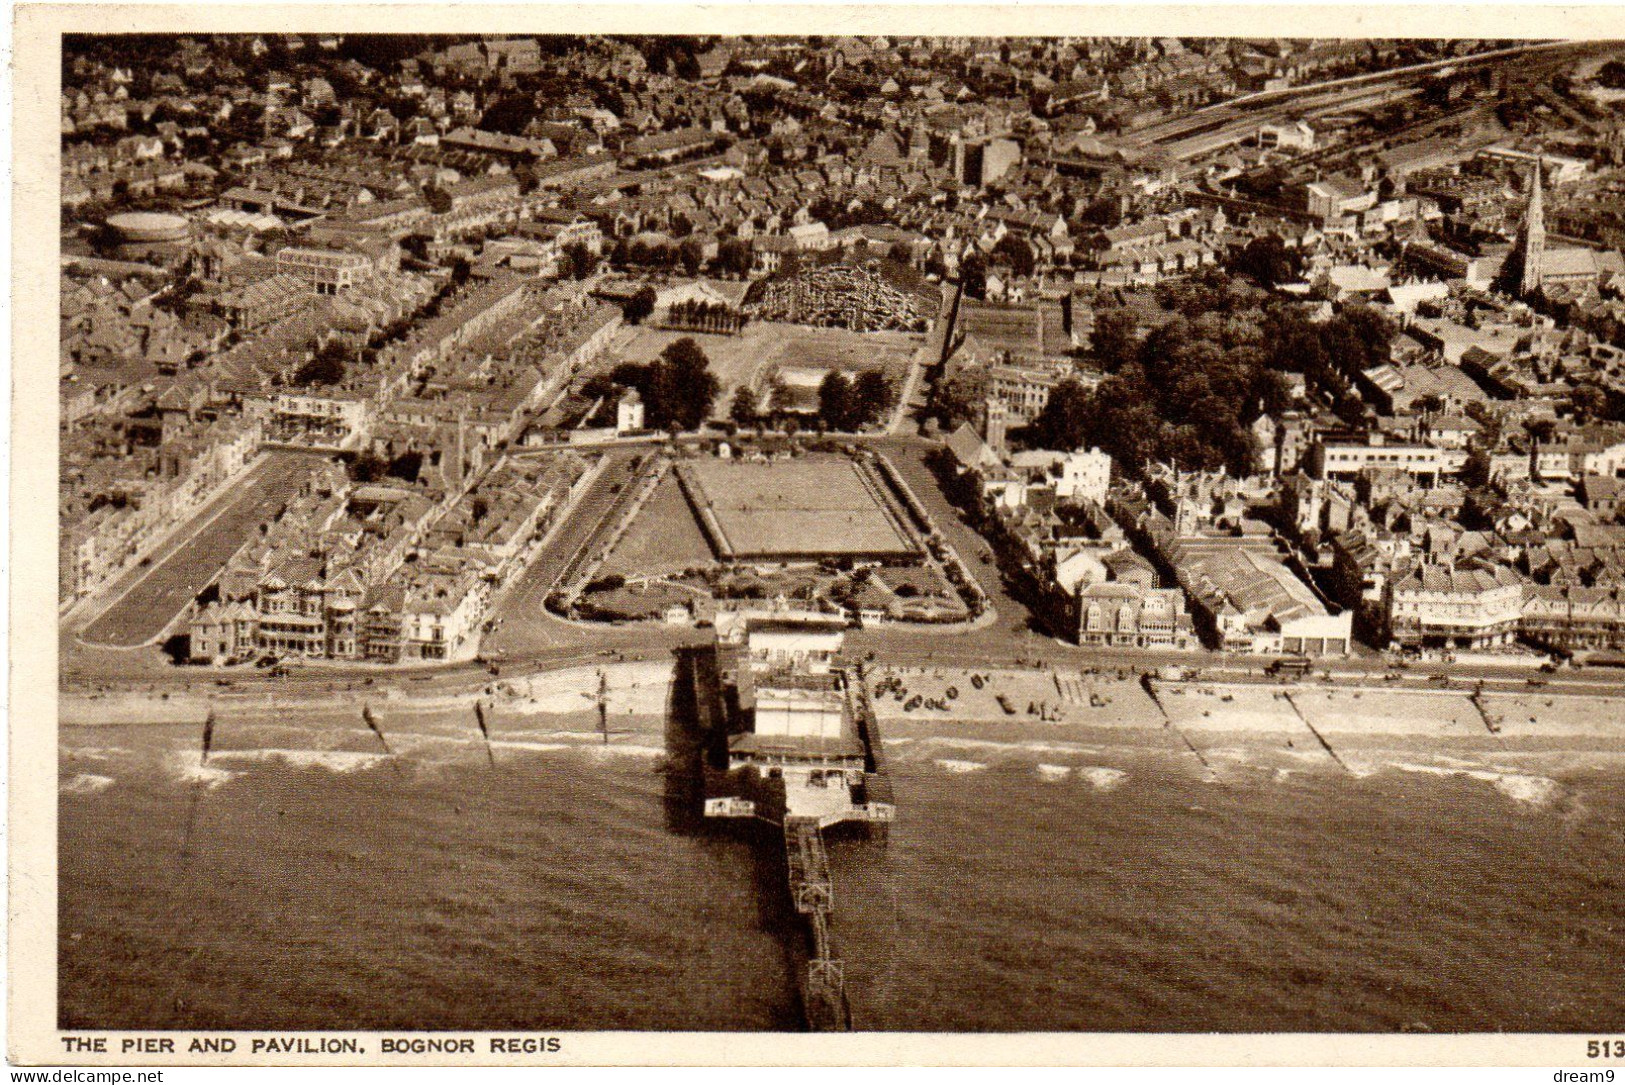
{"type": "Point", "coordinates": [664, 539]}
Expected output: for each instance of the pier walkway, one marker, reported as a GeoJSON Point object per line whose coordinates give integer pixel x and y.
{"type": "Point", "coordinates": [823, 991]}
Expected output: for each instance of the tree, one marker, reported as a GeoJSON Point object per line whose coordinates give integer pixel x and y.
{"type": "Point", "coordinates": [692, 254]}
{"type": "Point", "coordinates": [1540, 430]}
{"type": "Point", "coordinates": [1367, 331]}
{"type": "Point", "coordinates": [1490, 437]}
{"type": "Point", "coordinates": [1429, 404]}
{"type": "Point", "coordinates": [1274, 392]}
{"type": "Point", "coordinates": [580, 261]}
{"type": "Point", "coordinates": [1018, 253]}
{"type": "Point", "coordinates": [973, 273]}
{"type": "Point", "coordinates": [959, 398]}
{"type": "Point", "coordinates": [368, 467]}
{"type": "Point", "coordinates": [870, 397]}
{"type": "Point", "coordinates": [1589, 401]}
{"type": "Point", "coordinates": [1116, 339]}
{"type": "Point", "coordinates": [640, 306]}
{"type": "Point", "coordinates": [326, 367]}
{"type": "Point", "coordinates": [1067, 420]}
{"type": "Point", "coordinates": [834, 400]}
{"type": "Point", "coordinates": [1267, 261]}
{"type": "Point", "coordinates": [407, 465]}
{"type": "Point", "coordinates": [734, 258]}
{"type": "Point", "coordinates": [743, 408]}
{"type": "Point", "coordinates": [682, 389]}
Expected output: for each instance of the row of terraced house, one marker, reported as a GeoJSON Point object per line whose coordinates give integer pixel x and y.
{"type": "Point", "coordinates": [383, 574]}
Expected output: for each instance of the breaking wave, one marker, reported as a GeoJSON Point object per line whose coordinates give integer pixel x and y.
{"type": "Point", "coordinates": [1101, 778]}
{"type": "Point", "coordinates": [337, 761]}
{"type": "Point", "coordinates": [85, 783]}
{"type": "Point", "coordinates": [189, 768]}
{"type": "Point", "coordinates": [1524, 788]}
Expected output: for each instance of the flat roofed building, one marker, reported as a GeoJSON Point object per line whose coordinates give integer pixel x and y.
{"type": "Point", "coordinates": [808, 642]}
{"type": "Point", "coordinates": [795, 703]}
{"type": "Point", "coordinates": [816, 712]}
{"type": "Point", "coordinates": [327, 271]}
{"type": "Point", "coordinates": [1344, 460]}
{"type": "Point", "coordinates": [1254, 602]}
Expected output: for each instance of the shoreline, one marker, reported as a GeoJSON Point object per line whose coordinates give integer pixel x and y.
{"type": "Point", "coordinates": [1304, 722]}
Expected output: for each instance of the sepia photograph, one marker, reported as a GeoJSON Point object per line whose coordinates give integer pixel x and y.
{"type": "Point", "coordinates": [774, 532]}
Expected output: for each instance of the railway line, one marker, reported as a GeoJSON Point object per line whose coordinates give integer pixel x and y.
{"type": "Point", "coordinates": [1227, 123]}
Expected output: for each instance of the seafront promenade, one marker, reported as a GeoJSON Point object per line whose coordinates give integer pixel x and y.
{"type": "Point", "coordinates": [1308, 723]}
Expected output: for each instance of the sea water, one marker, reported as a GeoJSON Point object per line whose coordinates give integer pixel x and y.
{"type": "Point", "coordinates": [552, 884]}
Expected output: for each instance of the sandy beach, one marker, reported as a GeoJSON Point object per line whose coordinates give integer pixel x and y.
{"type": "Point", "coordinates": [630, 689]}
{"type": "Point", "coordinates": [1137, 823]}
{"type": "Point", "coordinates": [1062, 724]}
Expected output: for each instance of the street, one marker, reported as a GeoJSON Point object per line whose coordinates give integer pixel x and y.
{"type": "Point", "coordinates": [161, 591]}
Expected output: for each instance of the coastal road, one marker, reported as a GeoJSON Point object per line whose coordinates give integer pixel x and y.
{"type": "Point", "coordinates": [160, 593]}
{"type": "Point", "coordinates": [908, 456]}
{"type": "Point", "coordinates": [897, 647]}
{"type": "Point", "coordinates": [525, 626]}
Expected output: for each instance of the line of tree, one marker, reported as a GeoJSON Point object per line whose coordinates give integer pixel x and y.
{"type": "Point", "coordinates": [663, 254]}
{"type": "Point", "coordinates": [705, 316]}
{"type": "Point", "coordinates": [371, 467]}
{"type": "Point", "coordinates": [1267, 261]}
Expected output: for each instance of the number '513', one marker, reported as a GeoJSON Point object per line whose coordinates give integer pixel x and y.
{"type": "Point", "coordinates": [1605, 1049]}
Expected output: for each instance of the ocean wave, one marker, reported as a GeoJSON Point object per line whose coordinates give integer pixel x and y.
{"type": "Point", "coordinates": [1524, 788]}
{"type": "Point", "coordinates": [625, 749]}
{"type": "Point", "coordinates": [93, 753]}
{"type": "Point", "coordinates": [1361, 768]}
{"type": "Point", "coordinates": [1101, 778]}
{"type": "Point", "coordinates": [412, 742]}
{"type": "Point", "coordinates": [957, 767]}
{"type": "Point", "coordinates": [1026, 746]}
{"type": "Point", "coordinates": [189, 767]}
{"type": "Point", "coordinates": [85, 783]}
{"type": "Point", "coordinates": [337, 761]}
{"type": "Point", "coordinates": [1533, 790]}
{"type": "Point", "coordinates": [580, 742]}
{"type": "Point", "coordinates": [1054, 772]}
{"type": "Point", "coordinates": [532, 747]}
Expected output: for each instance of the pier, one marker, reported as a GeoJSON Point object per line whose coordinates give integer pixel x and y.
{"type": "Point", "coordinates": [802, 753]}
{"type": "Point", "coordinates": [823, 992]}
